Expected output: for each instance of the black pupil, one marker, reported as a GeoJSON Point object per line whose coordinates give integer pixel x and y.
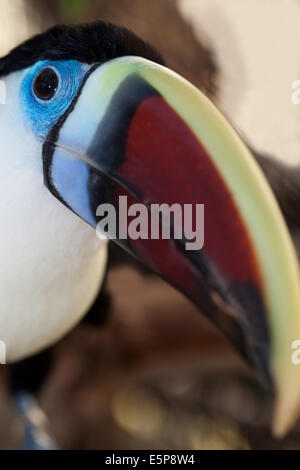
{"type": "Point", "coordinates": [45, 84]}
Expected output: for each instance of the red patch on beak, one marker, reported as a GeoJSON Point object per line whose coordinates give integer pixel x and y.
{"type": "Point", "coordinates": [167, 163]}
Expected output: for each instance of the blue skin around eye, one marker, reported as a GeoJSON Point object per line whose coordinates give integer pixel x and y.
{"type": "Point", "coordinates": [42, 115]}
{"type": "Point", "coordinates": [69, 175]}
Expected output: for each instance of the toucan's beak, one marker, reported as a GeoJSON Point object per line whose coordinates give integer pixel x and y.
{"type": "Point", "coordinates": [136, 129]}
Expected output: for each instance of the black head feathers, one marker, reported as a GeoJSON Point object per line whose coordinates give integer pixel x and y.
{"type": "Point", "coordinates": [88, 43]}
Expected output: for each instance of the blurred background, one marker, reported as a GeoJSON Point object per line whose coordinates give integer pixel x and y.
{"type": "Point", "coordinates": [156, 374]}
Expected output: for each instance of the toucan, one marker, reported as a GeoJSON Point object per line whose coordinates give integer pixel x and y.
{"type": "Point", "coordinates": [92, 114]}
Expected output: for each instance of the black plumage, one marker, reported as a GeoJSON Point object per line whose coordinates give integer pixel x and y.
{"type": "Point", "coordinates": [87, 43]}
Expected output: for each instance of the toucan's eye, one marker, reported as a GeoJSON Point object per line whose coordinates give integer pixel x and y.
{"type": "Point", "coordinates": [47, 89]}
{"type": "Point", "coordinates": [45, 84]}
